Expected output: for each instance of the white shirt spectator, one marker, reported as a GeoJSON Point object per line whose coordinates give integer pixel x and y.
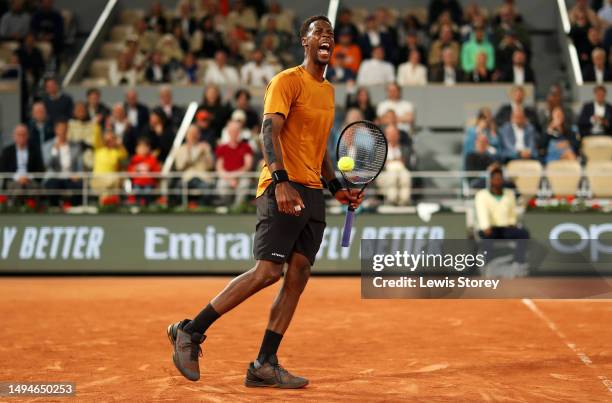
{"type": "Point", "coordinates": [226, 75]}
{"type": "Point", "coordinates": [374, 71]}
{"type": "Point", "coordinates": [400, 107]}
{"type": "Point", "coordinates": [411, 74]}
{"type": "Point", "coordinates": [119, 77]}
{"type": "Point", "coordinates": [257, 75]}
{"type": "Point", "coordinates": [22, 163]}
{"type": "Point", "coordinates": [64, 156]}
{"type": "Point", "coordinates": [519, 75]}
{"type": "Point", "coordinates": [519, 136]}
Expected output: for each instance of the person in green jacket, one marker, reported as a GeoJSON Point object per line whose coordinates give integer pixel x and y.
{"type": "Point", "coordinates": [477, 43]}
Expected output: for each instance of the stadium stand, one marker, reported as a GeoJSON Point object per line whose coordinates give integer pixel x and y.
{"type": "Point", "coordinates": [401, 58]}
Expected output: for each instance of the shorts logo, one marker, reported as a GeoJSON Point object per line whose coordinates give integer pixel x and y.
{"type": "Point", "coordinates": [277, 254]}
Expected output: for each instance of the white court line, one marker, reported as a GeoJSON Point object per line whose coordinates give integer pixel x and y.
{"type": "Point", "coordinates": [586, 360]}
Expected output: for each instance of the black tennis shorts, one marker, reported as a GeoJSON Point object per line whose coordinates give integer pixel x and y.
{"type": "Point", "coordinates": [278, 235]}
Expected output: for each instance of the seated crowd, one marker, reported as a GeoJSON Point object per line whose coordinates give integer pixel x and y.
{"type": "Point", "coordinates": [64, 138]}
{"type": "Point", "coordinates": [520, 131]}
{"type": "Point", "coordinates": [591, 32]}
{"type": "Point", "coordinates": [246, 43]}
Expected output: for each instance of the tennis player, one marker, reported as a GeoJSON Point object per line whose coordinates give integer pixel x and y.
{"type": "Point", "coordinates": [298, 117]}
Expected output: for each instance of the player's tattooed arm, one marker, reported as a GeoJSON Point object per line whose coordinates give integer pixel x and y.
{"type": "Point", "coordinates": [270, 142]}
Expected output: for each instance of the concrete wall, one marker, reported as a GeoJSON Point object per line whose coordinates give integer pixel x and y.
{"type": "Point", "coordinates": [436, 105]}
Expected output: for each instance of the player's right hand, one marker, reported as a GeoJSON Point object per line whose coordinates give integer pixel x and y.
{"type": "Point", "coordinates": [288, 199]}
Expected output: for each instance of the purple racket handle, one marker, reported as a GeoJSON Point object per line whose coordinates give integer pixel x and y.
{"type": "Point", "coordinates": [348, 226]}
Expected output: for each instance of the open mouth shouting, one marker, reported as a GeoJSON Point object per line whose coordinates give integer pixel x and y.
{"type": "Point", "coordinates": [324, 49]}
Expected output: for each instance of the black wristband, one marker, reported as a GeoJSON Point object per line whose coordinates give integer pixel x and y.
{"type": "Point", "coordinates": [334, 185]}
{"type": "Point", "coordinates": [279, 176]}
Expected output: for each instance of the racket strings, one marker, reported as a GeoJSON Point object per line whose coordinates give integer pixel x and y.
{"type": "Point", "coordinates": [367, 146]}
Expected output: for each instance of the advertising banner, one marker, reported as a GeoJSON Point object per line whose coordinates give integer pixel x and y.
{"type": "Point", "coordinates": [184, 243]}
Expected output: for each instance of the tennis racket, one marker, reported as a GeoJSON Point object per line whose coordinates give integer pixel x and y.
{"type": "Point", "coordinates": [366, 145]}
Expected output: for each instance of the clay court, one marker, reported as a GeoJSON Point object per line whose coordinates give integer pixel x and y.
{"type": "Point", "coordinates": [107, 334]}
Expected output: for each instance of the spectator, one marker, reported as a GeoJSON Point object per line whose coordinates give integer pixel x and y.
{"type": "Point", "coordinates": [347, 50]}
{"type": "Point", "coordinates": [137, 113]}
{"type": "Point", "coordinates": [257, 72]}
{"type": "Point", "coordinates": [48, 25]}
{"type": "Point", "coordinates": [121, 71]}
{"type": "Point", "coordinates": [508, 25]}
{"type": "Point", "coordinates": [479, 159]}
{"type": "Point", "coordinates": [518, 138]}
{"type": "Point", "coordinates": [443, 20]}
{"type": "Point", "coordinates": [582, 7]}
{"type": "Point", "coordinates": [554, 99]}
{"type": "Point", "coordinates": [170, 49]}
{"type": "Point", "coordinates": [96, 110]}
{"type": "Point", "coordinates": [173, 113]}
{"type": "Point", "coordinates": [376, 70]}
{"type": "Point", "coordinates": [59, 105]}
{"type": "Point", "coordinates": [81, 132]}
{"type": "Point", "coordinates": [15, 24]}
{"type": "Point", "coordinates": [243, 103]}
{"type": "Point", "coordinates": [387, 26]}
{"type": "Point", "coordinates": [344, 23]}
{"type": "Point", "coordinates": [515, 16]}
{"type": "Point", "coordinates": [156, 21]}
{"type": "Point", "coordinates": [39, 127]}
{"type": "Point", "coordinates": [473, 15]}
{"type": "Point", "coordinates": [517, 101]}
{"type": "Point", "coordinates": [446, 71]}
{"type": "Point", "coordinates": [270, 31]}
{"type": "Point", "coordinates": [594, 41]}
{"type": "Point", "coordinates": [147, 39]}
{"type": "Point", "coordinates": [579, 32]}
{"type": "Point", "coordinates": [160, 136]}
{"type": "Point", "coordinates": [395, 180]}
{"type": "Point", "coordinates": [22, 159]}
{"type": "Point", "coordinates": [389, 118]}
{"type": "Point", "coordinates": [141, 164]}
{"type": "Point", "coordinates": [477, 44]}
{"type": "Point", "coordinates": [485, 127]}
{"type": "Point", "coordinates": [188, 72]}
{"type": "Point", "coordinates": [203, 121]}
{"type": "Point", "coordinates": [185, 18]}
{"type": "Point", "coordinates": [496, 214]}
{"type": "Point", "coordinates": [109, 155]}
{"type": "Point", "coordinates": [242, 16]}
{"type": "Point", "coordinates": [120, 125]}
{"type": "Point", "coordinates": [341, 72]}
{"type": "Point", "coordinates": [195, 160]}
{"type": "Point", "coordinates": [446, 40]}
{"type": "Point", "coordinates": [605, 13]}
{"type": "Point", "coordinates": [596, 116]}
{"type": "Point", "coordinates": [283, 19]}
{"type": "Point", "coordinates": [437, 7]}
{"type": "Point", "coordinates": [506, 48]}
{"type": "Point", "coordinates": [63, 159]}
{"type": "Point", "coordinates": [519, 73]}
{"type": "Point", "coordinates": [559, 142]}
{"type": "Point", "coordinates": [597, 72]}
{"type": "Point", "coordinates": [235, 48]}
{"type": "Point", "coordinates": [31, 60]}
{"type": "Point", "coordinates": [411, 43]}
{"type": "Point", "coordinates": [209, 39]}
{"type": "Point", "coordinates": [412, 72]}
{"type": "Point", "coordinates": [157, 72]}
{"type": "Point", "coordinates": [220, 73]}
{"type": "Point", "coordinates": [481, 73]}
{"type": "Point", "coordinates": [214, 105]}
{"type": "Point", "coordinates": [233, 159]}
{"type": "Point", "coordinates": [361, 100]}
{"type": "Point", "coordinates": [402, 108]}
{"type": "Point", "coordinates": [374, 37]}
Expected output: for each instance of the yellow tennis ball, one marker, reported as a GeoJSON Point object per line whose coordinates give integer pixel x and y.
{"type": "Point", "coordinates": [346, 164]}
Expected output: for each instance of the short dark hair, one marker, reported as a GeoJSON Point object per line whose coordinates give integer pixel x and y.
{"type": "Point", "coordinates": [241, 91]}
{"type": "Point", "coordinates": [495, 170]}
{"type": "Point", "coordinates": [600, 87]}
{"type": "Point", "coordinates": [144, 141]}
{"type": "Point", "coordinates": [310, 20]}
{"type": "Point", "coordinates": [93, 91]}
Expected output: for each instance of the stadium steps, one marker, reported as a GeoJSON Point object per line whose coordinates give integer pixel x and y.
{"type": "Point", "coordinates": [547, 62]}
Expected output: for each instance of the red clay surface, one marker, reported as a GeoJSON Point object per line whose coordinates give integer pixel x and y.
{"type": "Point", "coordinates": [108, 335]}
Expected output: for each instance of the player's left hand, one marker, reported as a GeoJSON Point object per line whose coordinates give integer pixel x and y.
{"type": "Point", "coordinates": [350, 197]}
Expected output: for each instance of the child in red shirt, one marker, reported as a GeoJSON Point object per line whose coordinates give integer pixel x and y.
{"type": "Point", "coordinates": [144, 162]}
